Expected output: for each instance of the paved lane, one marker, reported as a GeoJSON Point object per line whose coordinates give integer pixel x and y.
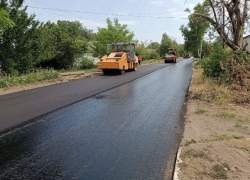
{"type": "Point", "coordinates": [124, 133]}
{"type": "Point", "coordinates": [22, 106]}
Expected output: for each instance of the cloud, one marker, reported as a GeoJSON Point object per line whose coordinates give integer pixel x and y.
{"type": "Point", "coordinates": [157, 2]}
{"type": "Point", "coordinates": [93, 23]}
{"type": "Point", "coordinates": [127, 22]}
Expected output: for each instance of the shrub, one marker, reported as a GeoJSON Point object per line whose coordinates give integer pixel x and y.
{"type": "Point", "coordinates": [212, 65]}
{"type": "Point", "coordinates": [154, 55]}
{"type": "Point", "coordinates": [86, 64]}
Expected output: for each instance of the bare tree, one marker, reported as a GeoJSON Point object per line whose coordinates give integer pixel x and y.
{"type": "Point", "coordinates": [231, 23]}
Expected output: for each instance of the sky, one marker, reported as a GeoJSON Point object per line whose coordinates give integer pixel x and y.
{"type": "Point", "coordinates": [148, 19]}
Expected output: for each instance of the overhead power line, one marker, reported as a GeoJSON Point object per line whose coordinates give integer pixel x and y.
{"type": "Point", "coordinates": [107, 14]}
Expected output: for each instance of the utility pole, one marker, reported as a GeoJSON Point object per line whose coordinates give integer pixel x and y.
{"type": "Point", "coordinates": [223, 45]}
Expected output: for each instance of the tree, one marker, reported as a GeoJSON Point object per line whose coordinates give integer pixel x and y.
{"type": "Point", "coordinates": [16, 44]}
{"type": "Point", "coordinates": [230, 27]}
{"type": "Point", "coordinates": [166, 42]}
{"type": "Point", "coordinates": [115, 32]}
{"type": "Point", "coordinates": [195, 30]}
{"type": "Point", "coordinates": [153, 45]}
{"type": "Point", "coordinates": [4, 21]}
{"type": "Point", "coordinates": [63, 42]}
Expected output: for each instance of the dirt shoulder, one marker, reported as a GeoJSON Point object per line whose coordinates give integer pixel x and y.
{"type": "Point", "coordinates": [216, 141]}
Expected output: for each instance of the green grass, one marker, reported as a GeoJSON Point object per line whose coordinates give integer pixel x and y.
{"type": "Point", "coordinates": [217, 137]}
{"type": "Point", "coordinates": [200, 111]}
{"type": "Point", "coordinates": [220, 172]}
{"type": "Point", "coordinates": [238, 125]}
{"type": "Point", "coordinates": [227, 115]}
{"type": "Point", "coordinates": [31, 78]}
{"type": "Point", "coordinates": [150, 61]}
{"type": "Point", "coordinates": [190, 142]}
{"type": "Point", "coordinates": [191, 153]}
{"type": "Point", "coordinates": [230, 129]}
{"type": "Point", "coordinates": [243, 148]}
{"type": "Point", "coordinates": [238, 137]}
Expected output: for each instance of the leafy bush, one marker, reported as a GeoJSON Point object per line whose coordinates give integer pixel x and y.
{"type": "Point", "coordinates": [154, 55]}
{"type": "Point", "coordinates": [86, 64]}
{"type": "Point", "coordinates": [212, 65]}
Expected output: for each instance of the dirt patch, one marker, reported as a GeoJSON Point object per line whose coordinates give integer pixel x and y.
{"type": "Point", "coordinates": [216, 140]}
{"type": "Point", "coordinates": [215, 146]}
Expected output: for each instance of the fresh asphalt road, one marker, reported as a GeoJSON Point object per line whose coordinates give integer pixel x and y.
{"type": "Point", "coordinates": [124, 133]}
{"type": "Point", "coordinates": [26, 105]}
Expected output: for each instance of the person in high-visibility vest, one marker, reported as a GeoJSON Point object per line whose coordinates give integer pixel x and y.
{"type": "Point", "coordinates": [139, 59]}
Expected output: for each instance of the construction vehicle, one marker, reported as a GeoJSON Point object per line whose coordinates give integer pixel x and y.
{"type": "Point", "coordinates": [121, 58]}
{"type": "Point", "coordinates": [171, 56]}
{"type": "Point", "coordinates": [187, 55]}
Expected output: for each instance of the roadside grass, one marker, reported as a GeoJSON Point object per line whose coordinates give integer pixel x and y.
{"type": "Point", "coordinates": [238, 137]}
{"type": "Point", "coordinates": [230, 129]}
{"type": "Point", "coordinates": [243, 148]}
{"type": "Point", "coordinates": [150, 61]}
{"type": "Point", "coordinates": [211, 90]}
{"type": "Point", "coordinates": [191, 153]}
{"type": "Point", "coordinates": [31, 78]}
{"type": "Point", "coordinates": [220, 172]}
{"type": "Point", "coordinates": [200, 111]}
{"type": "Point", "coordinates": [217, 137]}
{"type": "Point", "coordinates": [238, 125]}
{"type": "Point", "coordinates": [190, 142]}
{"type": "Point", "coordinates": [226, 115]}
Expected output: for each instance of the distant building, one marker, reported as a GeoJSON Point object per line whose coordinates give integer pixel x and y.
{"type": "Point", "coordinates": [245, 41]}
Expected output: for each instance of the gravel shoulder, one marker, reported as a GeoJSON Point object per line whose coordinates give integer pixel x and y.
{"type": "Point", "coordinates": [216, 142]}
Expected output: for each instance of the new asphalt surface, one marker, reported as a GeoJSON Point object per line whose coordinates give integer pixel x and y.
{"type": "Point", "coordinates": [126, 132]}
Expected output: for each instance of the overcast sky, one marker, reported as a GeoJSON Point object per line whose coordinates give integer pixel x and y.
{"type": "Point", "coordinates": [148, 19]}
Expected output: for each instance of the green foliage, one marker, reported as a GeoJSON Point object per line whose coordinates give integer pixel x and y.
{"type": "Point", "coordinates": [17, 42]}
{"type": "Point", "coordinates": [153, 45]}
{"type": "Point", "coordinates": [166, 42]}
{"type": "Point", "coordinates": [33, 77]}
{"type": "Point", "coordinates": [180, 50]}
{"type": "Point", "coordinates": [211, 65]}
{"type": "Point", "coordinates": [31, 44]}
{"type": "Point", "coordinates": [115, 32]}
{"type": "Point", "coordinates": [154, 55]}
{"type": "Point", "coordinates": [86, 64]}
{"type": "Point", "coordinates": [4, 21]}
{"type": "Point", "coordinates": [194, 32]}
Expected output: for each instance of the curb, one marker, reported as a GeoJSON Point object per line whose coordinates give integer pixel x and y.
{"type": "Point", "coordinates": [178, 161]}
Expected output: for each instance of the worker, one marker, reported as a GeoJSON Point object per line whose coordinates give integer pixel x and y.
{"type": "Point", "coordinates": [139, 59]}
